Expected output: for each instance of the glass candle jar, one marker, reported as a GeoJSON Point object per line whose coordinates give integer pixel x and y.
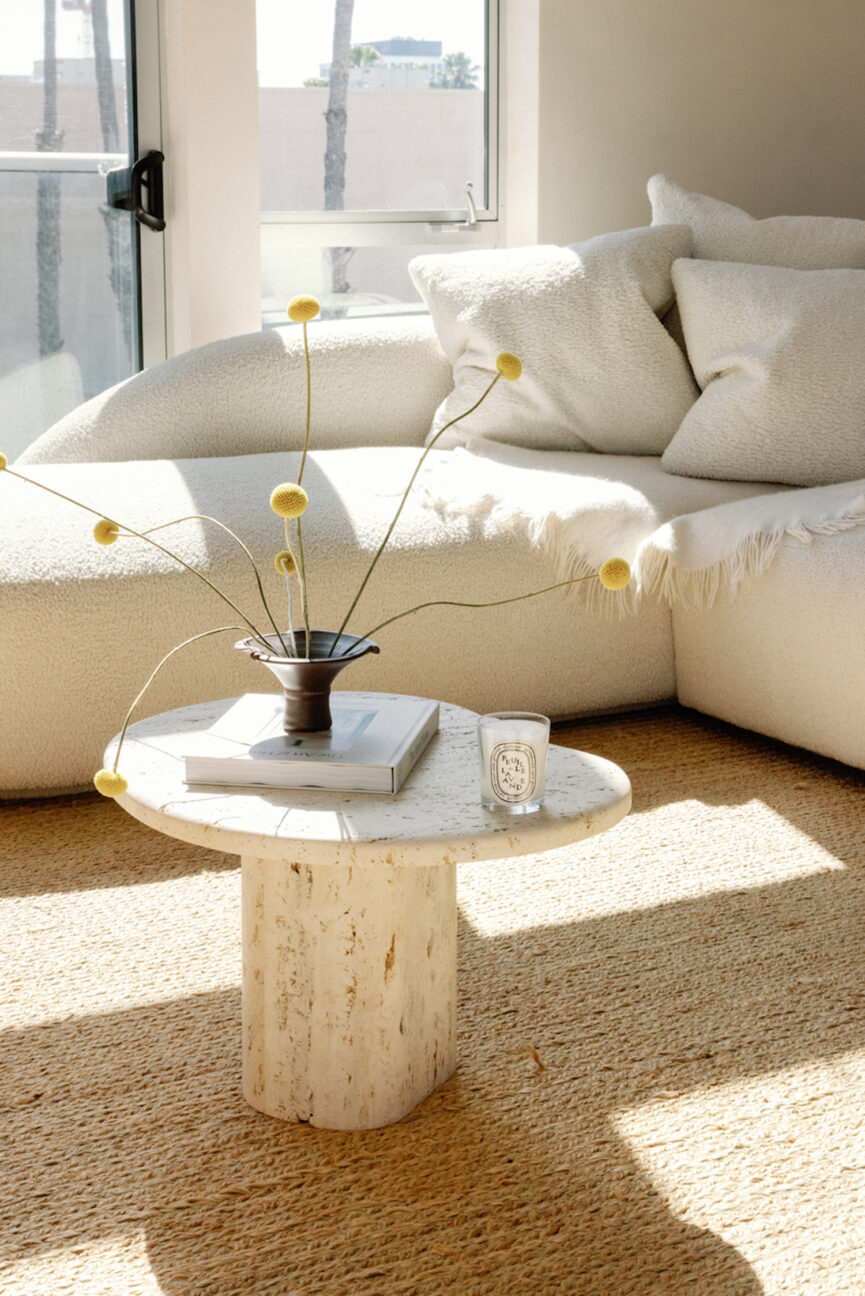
{"type": "Point", "coordinates": [513, 752]}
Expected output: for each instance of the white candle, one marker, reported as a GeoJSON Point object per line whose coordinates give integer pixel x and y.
{"type": "Point", "coordinates": [513, 750]}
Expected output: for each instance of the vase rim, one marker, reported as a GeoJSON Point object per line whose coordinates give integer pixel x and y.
{"type": "Point", "coordinates": [352, 646]}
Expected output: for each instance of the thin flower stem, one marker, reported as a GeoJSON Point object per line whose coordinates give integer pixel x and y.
{"type": "Point", "coordinates": [308, 405]}
{"type": "Point", "coordinates": [175, 557]}
{"type": "Point", "coordinates": [288, 588]}
{"type": "Point", "coordinates": [205, 517]}
{"type": "Point", "coordinates": [516, 598]}
{"type": "Point", "coordinates": [301, 565]}
{"type": "Point", "coordinates": [396, 516]}
{"type": "Point", "coordinates": [290, 615]}
{"type": "Point", "coordinates": [186, 642]}
{"type": "Point", "coordinates": [301, 577]}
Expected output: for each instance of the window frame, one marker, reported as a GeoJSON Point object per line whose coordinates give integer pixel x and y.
{"type": "Point", "coordinates": [145, 97]}
{"type": "Point", "coordinates": [361, 228]}
{"type": "Point", "coordinates": [212, 181]}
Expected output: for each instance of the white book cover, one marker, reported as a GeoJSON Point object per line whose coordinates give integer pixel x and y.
{"type": "Point", "coordinates": [375, 740]}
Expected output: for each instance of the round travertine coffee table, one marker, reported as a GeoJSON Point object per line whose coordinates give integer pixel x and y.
{"type": "Point", "coordinates": [349, 907]}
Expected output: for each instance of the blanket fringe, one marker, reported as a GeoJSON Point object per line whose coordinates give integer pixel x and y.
{"type": "Point", "coordinates": [549, 534]}
{"type": "Point", "coordinates": [567, 560]}
{"type": "Point", "coordinates": [658, 576]}
{"type": "Point", "coordinates": [656, 571]}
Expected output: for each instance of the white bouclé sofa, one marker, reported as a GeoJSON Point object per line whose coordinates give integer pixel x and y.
{"type": "Point", "coordinates": [776, 648]}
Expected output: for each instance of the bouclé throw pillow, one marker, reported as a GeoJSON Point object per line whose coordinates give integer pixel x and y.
{"type": "Point", "coordinates": [726, 233]}
{"type": "Point", "coordinates": [778, 356]}
{"type": "Point", "coordinates": [600, 372]}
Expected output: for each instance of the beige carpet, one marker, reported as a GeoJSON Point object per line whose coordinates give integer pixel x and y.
{"type": "Point", "coordinates": [662, 1060]}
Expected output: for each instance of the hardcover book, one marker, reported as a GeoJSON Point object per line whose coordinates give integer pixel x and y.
{"type": "Point", "coordinates": [375, 741]}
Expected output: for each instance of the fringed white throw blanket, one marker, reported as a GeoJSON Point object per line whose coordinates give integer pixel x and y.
{"type": "Point", "coordinates": [685, 538]}
{"type": "Point", "coordinates": [691, 559]}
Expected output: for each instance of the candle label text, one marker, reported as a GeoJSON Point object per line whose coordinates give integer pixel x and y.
{"type": "Point", "coordinates": [513, 771]}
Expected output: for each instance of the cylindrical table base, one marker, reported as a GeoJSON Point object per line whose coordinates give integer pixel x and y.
{"type": "Point", "coordinates": [349, 989]}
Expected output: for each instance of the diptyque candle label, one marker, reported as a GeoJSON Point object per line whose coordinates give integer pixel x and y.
{"type": "Point", "coordinates": [513, 771]}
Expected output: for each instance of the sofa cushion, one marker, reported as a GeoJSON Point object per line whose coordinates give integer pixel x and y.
{"type": "Point", "coordinates": [777, 354]}
{"type": "Point", "coordinates": [84, 626]}
{"type": "Point", "coordinates": [782, 654]}
{"type": "Point", "coordinates": [726, 233]}
{"type": "Point", "coordinates": [95, 621]}
{"type": "Point", "coordinates": [374, 382]}
{"type": "Point", "coordinates": [600, 371]}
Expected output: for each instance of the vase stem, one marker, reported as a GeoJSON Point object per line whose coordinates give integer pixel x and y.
{"type": "Point", "coordinates": [307, 710]}
{"type": "Point", "coordinates": [306, 682]}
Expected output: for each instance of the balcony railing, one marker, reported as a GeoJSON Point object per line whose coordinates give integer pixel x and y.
{"type": "Point", "coordinates": [96, 163]}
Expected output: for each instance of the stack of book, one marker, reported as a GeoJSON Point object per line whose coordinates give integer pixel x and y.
{"type": "Point", "coordinates": [375, 741]}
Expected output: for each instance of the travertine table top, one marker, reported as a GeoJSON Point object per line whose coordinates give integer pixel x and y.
{"type": "Point", "coordinates": [437, 816]}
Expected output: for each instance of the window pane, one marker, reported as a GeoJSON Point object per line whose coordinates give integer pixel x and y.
{"type": "Point", "coordinates": [90, 312]}
{"type": "Point", "coordinates": [68, 300]}
{"type": "Point", "coordinates": [415, 110]}
{"type": "Point", "coordinates": [378, 277]}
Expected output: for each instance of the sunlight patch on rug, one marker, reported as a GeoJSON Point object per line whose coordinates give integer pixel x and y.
{"type": "Point", "coordinates": [641, 865]}
{"type": "Point", "coordinates": [661, 1060]}
{"type": "Point", "coordinates": [771, 1165]}
{"type": "Point", "coordinates": [93, 1268]}
{"type": "Point", "coordinates": [119, 947]}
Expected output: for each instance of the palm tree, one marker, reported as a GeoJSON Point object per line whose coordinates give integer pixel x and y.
{"type": "Point", "coordinates": [336, 119]}
{"type": "Point", "coordinates": [459, 73]}
{"type": "Point", "coordinates": [364, 56]}
{"type": "Point", "coordinates": [48, 251]}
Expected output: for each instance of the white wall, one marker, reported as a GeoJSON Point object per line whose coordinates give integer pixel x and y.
{"type": "Point", "coordinates": [758, 102]}
{"type": "Point", "coordinates": [211, 169]}
{"type": "Point", "coordinates": [519, 120]}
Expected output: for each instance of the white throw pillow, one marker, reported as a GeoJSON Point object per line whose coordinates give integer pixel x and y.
{"type": "Point", "coordinates": [778, 355]}
{"type": "Point", "coordinates": [726, 233]}
{"type": "Point", "coordinates": [600, 372]}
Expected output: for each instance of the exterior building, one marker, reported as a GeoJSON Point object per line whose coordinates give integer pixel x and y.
{"type": "Point", "coordinates": [403, 63]}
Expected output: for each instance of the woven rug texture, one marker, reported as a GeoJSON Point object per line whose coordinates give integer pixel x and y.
{"type": "Point", "coordinates": [661, 1085]}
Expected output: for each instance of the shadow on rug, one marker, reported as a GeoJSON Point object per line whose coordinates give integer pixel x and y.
{"type": "Point", "coordinates": [661, 1080]}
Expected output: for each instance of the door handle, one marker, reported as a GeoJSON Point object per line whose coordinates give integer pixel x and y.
{"type": "Point", "coordinates": [126, 186]}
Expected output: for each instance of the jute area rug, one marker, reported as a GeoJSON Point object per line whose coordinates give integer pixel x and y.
{"type": "Point", "coordinates": [661, 1084]}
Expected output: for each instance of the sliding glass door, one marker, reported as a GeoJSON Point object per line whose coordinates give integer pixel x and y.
{"type": "Point", "coordinates": [70, 268]}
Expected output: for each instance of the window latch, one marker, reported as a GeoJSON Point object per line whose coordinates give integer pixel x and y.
{"type": "Point", "coordinates": [471, 220]}
{"type": "Point", "coordinates": [126, 187]}
{"type": "Point", "coordinates": [456, 227]}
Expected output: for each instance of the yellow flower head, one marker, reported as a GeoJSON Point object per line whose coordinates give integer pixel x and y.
{"type": "Point", "coordinates": [509, 366]}
{"type": "Point", "coordinates": [289, 500]}
{"type": "Point", "coordinates": [110, 783]}
{"type": "Point", "coordinates": [3, 462]}
{"type": "Point", "coordinates": [105, 532]}
{"type": "Point", "coordinates": [615, 574]}
{"type": "Point", "coordinates": [302, 309]}
{"type": "Point", "coordinates": [284, 563]}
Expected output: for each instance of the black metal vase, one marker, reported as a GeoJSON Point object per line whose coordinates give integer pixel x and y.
{"type": "Point", "coordinates": [306, 681]}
